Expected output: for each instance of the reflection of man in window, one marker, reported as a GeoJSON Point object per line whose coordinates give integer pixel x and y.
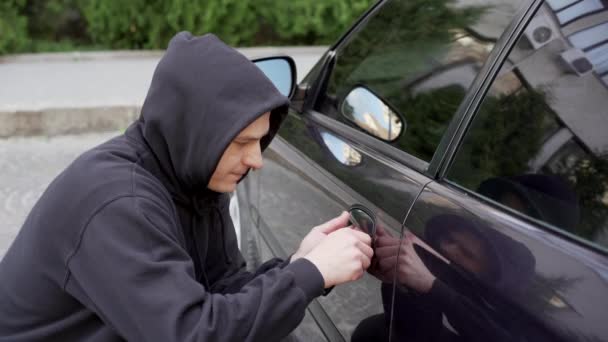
{"type": "Point", "coordinates": [544, 197]}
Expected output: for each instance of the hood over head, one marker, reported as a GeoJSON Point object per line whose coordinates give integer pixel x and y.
{"type": "Point", "coordinates": [203, 94]}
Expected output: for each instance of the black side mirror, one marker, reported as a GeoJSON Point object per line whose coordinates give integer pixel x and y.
{"type": "Point", "coordinates": [281, 70]}
{"type": "Point", "coordinates": [363, 219]}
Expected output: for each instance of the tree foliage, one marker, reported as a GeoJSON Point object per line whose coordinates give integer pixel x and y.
{"type": "Point", "coordinates": [13, 27]}
{"type": "Point", "coordinates": [310, 22]}
{"type": "Point", "coordinates": [590, 177]}
{"type": "Point", "coordinates": [29, 25]}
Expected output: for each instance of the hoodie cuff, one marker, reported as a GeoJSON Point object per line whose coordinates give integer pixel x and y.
{"type": "Point", "coordinates": [440, 293]}
{"type": "Point", "coordinates": [307, 277]}
{"type": "Point", "coordinates": [284, 263]}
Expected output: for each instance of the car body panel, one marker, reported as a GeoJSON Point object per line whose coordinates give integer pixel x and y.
{"type": "Point", "coordinates": [543, 288]}
{"type": "Point", "coordinates": [303, 176]}
{"type": "Point", "coordinates": [525, 282]}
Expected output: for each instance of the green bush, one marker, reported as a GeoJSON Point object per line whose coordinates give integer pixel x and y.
{"type": "Point", "coordinates": [150, 24]}
{"type": "Point", "coordinates": [55, 20]}
{"type": "Point", "coordinates": [13, 27]}
{"type": "Point", "coordinates": [311, 22]}
{"type": "Point", "coordinates": [41, 25]}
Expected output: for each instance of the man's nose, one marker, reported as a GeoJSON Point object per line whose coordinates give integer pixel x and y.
{"type": "Point", "coordinates": [253, 159]}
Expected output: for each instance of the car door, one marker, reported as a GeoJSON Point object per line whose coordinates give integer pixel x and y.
{"type": "Point", "coordinates": [514, 227]}
{"type": "Point", "coordinates": [373, 114]}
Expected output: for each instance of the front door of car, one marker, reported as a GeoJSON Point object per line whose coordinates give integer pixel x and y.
{"type": "Point", "coordinates": [514, 228]}
{"type": "Point", "coordinates": [376, 109]}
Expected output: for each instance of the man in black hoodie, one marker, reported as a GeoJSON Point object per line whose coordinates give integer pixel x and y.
{"type": "Point", "coordinates": [133, 240]}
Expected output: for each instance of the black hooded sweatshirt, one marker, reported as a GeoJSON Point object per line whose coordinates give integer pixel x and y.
{"type": "Point", "coordinates": [129, 244]}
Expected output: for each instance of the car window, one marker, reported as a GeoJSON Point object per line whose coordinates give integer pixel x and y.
{"type": "Point", "coordinates": [402, 75]}
{"type": "Point", "coordinates": [538, 143]}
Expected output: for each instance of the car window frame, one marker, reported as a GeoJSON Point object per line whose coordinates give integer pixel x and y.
{"type": "Point", "coordinates": [363, 139]}
{"type": "Point", "coordinates": [451, 148]}
{"type": "Point", "coordinates": [451, 139]}
{"type": "Point", "coordinates": [456, 131]}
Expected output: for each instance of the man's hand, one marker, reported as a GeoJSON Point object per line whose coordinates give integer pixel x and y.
{"type": "Point", "coordinates": [318, 233]}
{"type": "Point", "coordinates": [342, 256]}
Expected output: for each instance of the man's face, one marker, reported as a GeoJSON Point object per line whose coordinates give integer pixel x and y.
{"type": "Point", "coordinates": [243, 153]}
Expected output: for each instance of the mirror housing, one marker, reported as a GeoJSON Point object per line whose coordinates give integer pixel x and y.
{"type": "Point", "coordinates": [372, 114]}
{"type": "Point", "coordinates": [281, 71]}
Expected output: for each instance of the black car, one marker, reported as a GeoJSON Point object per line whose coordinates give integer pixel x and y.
{"type": "Point", "coordinates": [473, 138]}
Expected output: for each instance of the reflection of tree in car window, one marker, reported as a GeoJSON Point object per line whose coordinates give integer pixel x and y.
{"type": "Point", "coordinates": [421, 70]}
{"type": "Point", "coordinates": [514, 134]}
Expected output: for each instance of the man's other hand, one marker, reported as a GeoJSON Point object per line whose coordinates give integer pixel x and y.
{"type": "Point", "coordinates": [342, 256]}
{"type": "Point", "coordinates": [318, 233]}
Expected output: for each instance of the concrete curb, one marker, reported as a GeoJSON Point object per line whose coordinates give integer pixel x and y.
{"type": "Point", "coordinates": [59, 121]}
{"type": "Point", "coordinates": [51, 115]}
{"type": "Point", "coordinates": [76, 56]}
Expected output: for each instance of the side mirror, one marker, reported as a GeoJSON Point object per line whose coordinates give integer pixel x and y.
{"type": "Point", "coordinates": [368, 111]}
{"type": "Point", "coordinates": [281, 70]}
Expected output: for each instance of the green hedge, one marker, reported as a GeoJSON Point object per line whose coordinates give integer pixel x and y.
{"type": "Point", "coordinates": [13, 27]}
{"type": "Point", "coordinates": [40, 25]}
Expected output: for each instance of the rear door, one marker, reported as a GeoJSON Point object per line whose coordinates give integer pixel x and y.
{"type": "Point", "coordinates": [376, 109]}
{"type": "Point", "coordinates": [515, 227]}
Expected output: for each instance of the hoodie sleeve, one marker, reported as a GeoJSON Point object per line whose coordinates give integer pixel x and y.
{"type": "Point", "coordinates": [236, 278]}
{"type": "Point", "coordinates": [129, 269]}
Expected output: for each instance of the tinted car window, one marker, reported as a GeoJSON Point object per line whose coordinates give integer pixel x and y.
{"type": "Point", "coordinates": [538, 143]}
{"type": "Point", "coordinates": [414, 60]}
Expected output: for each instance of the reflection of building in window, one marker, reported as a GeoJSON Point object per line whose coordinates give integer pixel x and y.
{"type": "Point", "coordinates": [593, 43]}
{"type": "Point", "coordinates": [570, 71]}
{"type": "Point", "coordinates": [567, 11]}
{"type": "Point", "coordinates": [574, 71]}
{"type": "Point", "coordinates": [586, 49]}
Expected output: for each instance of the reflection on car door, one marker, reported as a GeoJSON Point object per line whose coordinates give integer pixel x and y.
{"type": "Point", "coordinates": [310, 175]}
{"type": "Point", "coordinates": [381, 107]}
{"type": "Point", "coordinates": [514, 228]}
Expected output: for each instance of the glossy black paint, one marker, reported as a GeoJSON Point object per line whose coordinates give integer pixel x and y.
{"type": "Point", "coordinates": [535, 286]}
{"type": "Point", "coordinates": [505, 277]}
{"type": "Point", "coordinates": [304, 177]}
